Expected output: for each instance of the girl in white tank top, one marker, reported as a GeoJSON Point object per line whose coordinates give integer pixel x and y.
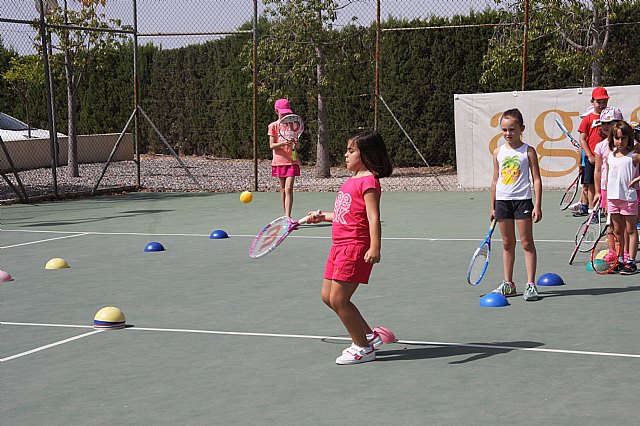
{"type": "Point", "coordinates": [515, 166]}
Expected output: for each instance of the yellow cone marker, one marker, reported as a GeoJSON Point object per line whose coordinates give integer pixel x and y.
{"type": "Point", "coordinates": [56, 263]}
{"type": "Point", "coordinates": [111, 318]}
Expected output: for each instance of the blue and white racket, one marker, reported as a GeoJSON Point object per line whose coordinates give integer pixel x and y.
{"type": "Point", "coordinates": [567, 133]}
{"type": "Point", "coordinates": [480, 259]}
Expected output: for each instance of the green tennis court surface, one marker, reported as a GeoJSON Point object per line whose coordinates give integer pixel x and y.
{"type": "Point", "coordinates": [215, 337]}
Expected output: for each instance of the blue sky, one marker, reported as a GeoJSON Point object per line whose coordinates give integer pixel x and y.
{"type": "Point", "coordinates": [167, 16]}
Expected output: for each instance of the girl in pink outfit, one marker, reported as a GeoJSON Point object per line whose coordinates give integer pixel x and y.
{"type": "Point", "coordinates": [356, 235]}
{"type": "Point", "coordinates": [622, 198]}
{"type": "Point", "coordinates": [283, 166]}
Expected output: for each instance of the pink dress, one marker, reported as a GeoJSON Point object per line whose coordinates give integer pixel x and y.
{"type": "Point", "coordinates": [350, 232]}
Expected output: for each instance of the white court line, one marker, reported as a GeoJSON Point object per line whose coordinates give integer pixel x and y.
{"type": "Point", "coordinates": [314, 337]}
{"type": "Point", "coordinates": [51, 345]}
{"type": "Point", "coordinates": [477, 240]}
{"type": "Point", "coordinates": [42, 241]}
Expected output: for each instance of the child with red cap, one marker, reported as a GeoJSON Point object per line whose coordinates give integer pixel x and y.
{"type": "Point", "coordinates": [283, 164]}
{"type": "Point", "coordinates": [589, 137]}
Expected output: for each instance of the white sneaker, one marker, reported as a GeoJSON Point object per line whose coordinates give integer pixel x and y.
{"type": "Point", "coordinates": [530, 293]}
{"type": "Point", "coordinates": [374, 340]}
{"type": "Point", "coordinates": [575, 207]}
{"type": "Point", "coordinates": [356, 354]}
{"type": "Point", "coordinates": [506, 288]}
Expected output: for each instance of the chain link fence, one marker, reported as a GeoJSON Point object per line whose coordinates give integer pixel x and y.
{"type": "Point", "coordinates": [166, 96]}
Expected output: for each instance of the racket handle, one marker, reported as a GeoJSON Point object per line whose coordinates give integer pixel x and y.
{"type": "Point", "coordinates": [309, 216]}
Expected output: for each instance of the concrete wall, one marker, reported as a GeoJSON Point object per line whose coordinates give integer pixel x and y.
{"type": "Point", "coordinates": [36, 153]}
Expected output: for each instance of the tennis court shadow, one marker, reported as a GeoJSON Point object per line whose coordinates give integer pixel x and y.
{"type": "Point", "coordinates": [587, 291]}
{"type": "Point", "coordinates": [475, 350]}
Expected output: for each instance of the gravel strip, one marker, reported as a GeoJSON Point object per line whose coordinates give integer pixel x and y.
{"type": "Point", "coordinates": [166, 174]}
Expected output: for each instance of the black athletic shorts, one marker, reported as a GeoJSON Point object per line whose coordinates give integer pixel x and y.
{"type": "Point", "coordinates": [514, 209]}
{"type": "Point", "coordinates": [588, 172]}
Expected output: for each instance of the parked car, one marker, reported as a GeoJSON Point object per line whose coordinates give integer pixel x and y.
{"type": "Point", "coordinates": [12, 129]}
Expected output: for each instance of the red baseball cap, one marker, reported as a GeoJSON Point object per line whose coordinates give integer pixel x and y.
{"type": "Point", "coordinates": [599, 93]}
{"type": "Point", "coordinates": [282, 106]}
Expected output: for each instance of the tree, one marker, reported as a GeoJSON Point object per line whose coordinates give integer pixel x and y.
{"type": "Point", "coordinates": [296, 53]}
{"type": "Point", "coordinates": [79, 48]}
{"type": "Point", "coordinates": [25, 75]}
{"type": "Point", "coordinates": [575, 35]}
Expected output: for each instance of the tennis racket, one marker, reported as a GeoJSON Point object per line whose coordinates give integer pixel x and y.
{"type": "Point", "coordinates": [572, 190]}
{"type": "Point", "coordinates": [290, 127]}
{"type": "Point", "coordinates": [587, 234]}
{"type": "Point", "coordinates": [590, 231]}
{"type": "Point", "coordinates": [605, 252]}
{"type": "Point", "coordinates": [567, 133]}
{"type": "Point", "coordinates": [570, 194]}
{"type": "Point", "coordinates": [272, 235]}
{"type": "Point", "coordinates": [480, 259]}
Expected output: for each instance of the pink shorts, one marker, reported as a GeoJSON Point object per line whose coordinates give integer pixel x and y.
{"type": "Point", "coordinates": [625, 208]}
{"type": "Point", "coordinates": [290, 170]}
{"type": "Point", "coordinates": [603, 198]}
{"type": "Point", "coordinates": [346, 263]}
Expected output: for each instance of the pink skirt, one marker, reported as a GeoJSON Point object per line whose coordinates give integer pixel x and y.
{"type": "Point", "coordinates": [289, 170]}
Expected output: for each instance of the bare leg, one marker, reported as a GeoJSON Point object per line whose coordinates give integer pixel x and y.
{"type": "Point", "coordinates": [591, 191]}
{"type": "Point", "coordinates": [632, 234]}
{"type": "Point", "coordinates": [288, 195]}
{"type": "Point", "coordinates": [525, 229]}
{"type": "Point", "coordinates": [337, 295]}
{"type": "Point", "coordinates": [508, 232]}
{"type": "Point", "coordinates": [618, 222]}
{"type": "Point", "coordinates": [283, 195]}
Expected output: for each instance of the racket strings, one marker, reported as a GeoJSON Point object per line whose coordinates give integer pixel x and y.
{"type": "Point", "coordinates": [479, 264]}
{"type": "Point", "coordinates": [269, 237]}
{"type": "Point", "coordinates": [569, 196]}
{"type": "Point", "coordinates": [290, 129]}
{"type": "Point", "coordinates": [590, 237]}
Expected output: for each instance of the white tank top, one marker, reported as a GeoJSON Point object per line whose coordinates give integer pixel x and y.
{"type": "Point", "coordinates": [513, 179]}
{"type": "Point", "coordinates": [621, 171]}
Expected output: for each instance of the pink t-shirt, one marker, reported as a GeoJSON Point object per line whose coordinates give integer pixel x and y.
{"type": "Point", "coordinates": [350, 222]}
{"type": "Point", "coordinates": [602, 150]}
{"type": "Point", "coordinates": [282, 155]}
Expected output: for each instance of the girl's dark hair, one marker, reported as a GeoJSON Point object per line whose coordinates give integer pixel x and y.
{"type": "Point", "coordinates": [627, 131]}
{"type": "Point", "coordinates": [513, 113]}
{"type": "Point", "coordinates": [373, 153]}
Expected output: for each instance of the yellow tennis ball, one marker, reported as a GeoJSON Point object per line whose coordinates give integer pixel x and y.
{"type": "Point", "coordinates": [602, 253]}
{"type": "Point", "coordinates": [246, 197]}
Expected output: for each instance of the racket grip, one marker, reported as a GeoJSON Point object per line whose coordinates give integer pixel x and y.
{"type": "Point", "coordinates": [314, 215]}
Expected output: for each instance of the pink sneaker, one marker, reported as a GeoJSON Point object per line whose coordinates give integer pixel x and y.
{"type": "Point", "coordinates": [356, 354]}
{"type": "Point", "coordinates": [374, 340]}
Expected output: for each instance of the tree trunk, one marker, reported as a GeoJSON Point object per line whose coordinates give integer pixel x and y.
{"type": "Point", "coordinates": [323, 165]}
{"type": "Point", "coordinates": [72, 140]}
{"type": "Point", "coordinates": [596, 74]}
{"type": "Point", "coordinates": [600, 38]}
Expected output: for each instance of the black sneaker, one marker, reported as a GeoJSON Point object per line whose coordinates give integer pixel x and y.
{"type": "Point", "coordinates": [580, 213]}
{"type": "Point", "coordinates": [629, 269]}
{"type": "Point", "coordinates": [616, 269]}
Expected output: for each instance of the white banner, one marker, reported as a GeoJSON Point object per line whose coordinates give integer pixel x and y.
{"type": "Point", "coordinates": [478, 131]}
